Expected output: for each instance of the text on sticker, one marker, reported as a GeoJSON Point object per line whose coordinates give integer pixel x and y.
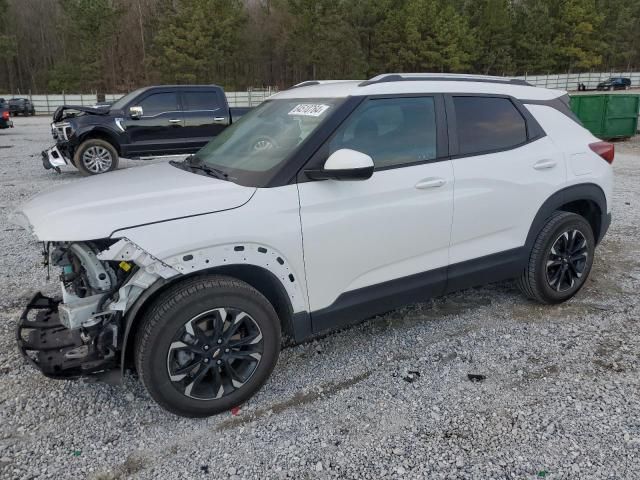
{"type": "Point", "coordinates": [309, 109]}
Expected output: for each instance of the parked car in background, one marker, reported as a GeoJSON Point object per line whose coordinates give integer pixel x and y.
{"type": "Point", "coordinates": [615, 83]}
{"type": "Point", "coordinates": [5, 120]}
{"type": "Point", "coordinates": [21, 106]}
{"type": "Point", "coordinates": [403, 187]}
{"type": "Point", "coordinates": [149, 122]}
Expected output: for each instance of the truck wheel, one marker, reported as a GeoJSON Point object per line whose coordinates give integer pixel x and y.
{"type": "Point", "coordinates": [95, 156]}
{"type": "Point", "coordinates": [207, 345]}
{"type": "Point", "coordinates": [560, 260]}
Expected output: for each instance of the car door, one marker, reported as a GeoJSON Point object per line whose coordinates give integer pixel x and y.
{"type": "Point", "coordinates": [505, 168]}
{"type": "Point", "coordinates": [372, 245]}
{"type": "Point", "coordinates": [160, 128]}
{"type": "Point", "coordinates": [205, 116]}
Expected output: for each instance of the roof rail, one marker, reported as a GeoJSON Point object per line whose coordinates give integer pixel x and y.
{"type": "Point", "coordinates": [440, 77]}
{"type": "Point", "coordinates": [305, 84]}
{"type": "Point", "coordinates": [317, 82]}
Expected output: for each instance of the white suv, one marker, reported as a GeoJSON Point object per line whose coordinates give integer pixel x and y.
{"type": "Point", "coordinates": [369, 195]}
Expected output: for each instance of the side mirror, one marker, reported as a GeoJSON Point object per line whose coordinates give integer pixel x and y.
{"type": "Point", "coordinates": [344, 164]}
{"type": "Point", "coordinates": [135, 112]}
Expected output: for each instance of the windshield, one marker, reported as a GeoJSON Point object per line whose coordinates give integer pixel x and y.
{"type": "Point", "coordinates": [119, 104]}
{"type": "Point", "coordinates": [265, 137]}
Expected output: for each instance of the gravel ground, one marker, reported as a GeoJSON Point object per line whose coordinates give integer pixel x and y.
{"type": "Point", "coordinates": [389, 398]}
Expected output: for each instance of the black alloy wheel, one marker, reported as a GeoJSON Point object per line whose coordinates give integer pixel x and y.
{"type": "Point", "coordinates": [215, 353]}
{"type": "Point", "coordinates": [567, 260]}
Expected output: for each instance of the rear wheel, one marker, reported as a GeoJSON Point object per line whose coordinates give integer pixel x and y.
{"type": "Point", "coordinates": [207, 345]}
{"type": "Point", "coordinates": [95, 156]}
{"type": "Point", "coordinates": [560, 260]}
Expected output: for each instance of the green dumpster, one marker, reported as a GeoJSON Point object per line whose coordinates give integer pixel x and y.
{"type": "Point", "coordinates": [608, 116]}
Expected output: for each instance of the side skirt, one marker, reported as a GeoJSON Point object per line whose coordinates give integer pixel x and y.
{"type": "Point", "coordinates": [357, 305]}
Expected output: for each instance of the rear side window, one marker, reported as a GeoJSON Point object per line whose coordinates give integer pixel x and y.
{"type": "Point", "coordinates": [200, 101]}
{"type": "Point", "coordinates": [486, 124]}
{"type": "Point", "coordinates": [393, 132]}
{"type": "Point", "coordinates": [159, 103]}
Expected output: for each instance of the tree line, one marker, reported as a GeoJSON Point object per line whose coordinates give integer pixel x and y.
{"type": "Point", "coordinates": [118, 45]}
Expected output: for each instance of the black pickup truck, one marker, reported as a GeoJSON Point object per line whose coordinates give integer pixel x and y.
{"type": "Point", "coordinates": [149, 122]}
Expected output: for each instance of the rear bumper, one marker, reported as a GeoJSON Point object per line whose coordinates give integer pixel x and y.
{"type": "Point", "coordinates": [55, 350]}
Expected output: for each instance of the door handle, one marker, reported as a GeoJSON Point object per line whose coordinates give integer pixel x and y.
{"type": "Point", "coordinates": [220, 119]}
{"type": "Point", "coordinates": [175, 120]}
{"type": "Point", "coordinates": [430, 183]}
{"type": "Point", "coordinates": [544, 164]}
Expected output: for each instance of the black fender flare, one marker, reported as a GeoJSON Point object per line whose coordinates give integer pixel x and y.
{"type": "Point", "coordinates": [129, 318]}
{"type": "Point", "coordinates": [585, 191]}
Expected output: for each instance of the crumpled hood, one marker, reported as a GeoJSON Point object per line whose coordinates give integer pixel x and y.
{"type": "Point", "coordinates": [59, 113]}
{"type": "Point", "coordinates": [95, 207]}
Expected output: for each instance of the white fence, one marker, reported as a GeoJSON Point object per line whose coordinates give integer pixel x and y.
{"type": "Point", "coordinates": [46, 104]}
{"type": "Point", "coordinates": [570, 81]}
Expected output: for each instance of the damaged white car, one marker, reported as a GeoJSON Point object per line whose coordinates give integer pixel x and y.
{"type": "Point", "coordinates": [191, 271]}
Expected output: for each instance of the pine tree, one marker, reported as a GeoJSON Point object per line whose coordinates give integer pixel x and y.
{"type": "Point", "coordinates": [492, 21]}
{"type": "Point", "coordinates": [577, 45]}
{"type": "Point", "coordinates": [90, 27]}
{"type": "Point", "coordinates": [197, 40]}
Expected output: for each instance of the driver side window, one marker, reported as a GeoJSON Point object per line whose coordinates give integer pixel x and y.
{"type": "Point", "coordinates": [392, 131]}
{"type": "Point", "coordinates": [159, 103]}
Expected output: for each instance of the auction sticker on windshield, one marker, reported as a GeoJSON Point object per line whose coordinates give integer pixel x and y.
{"type": "Point", "coordinates": [309, 109]}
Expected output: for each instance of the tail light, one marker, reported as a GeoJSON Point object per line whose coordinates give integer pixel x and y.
{"type": "Point", "coordinates": [5, 115]}
{"type": "Point", "coordinates": [605, 149]}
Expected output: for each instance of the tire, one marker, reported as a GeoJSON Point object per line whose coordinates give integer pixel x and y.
{"type": "Point", "coordinates": [165, 348]}
{"type": "Point", "coordinates": [538, 281]}
{"type": "Point", "coordinates": [95, 156]}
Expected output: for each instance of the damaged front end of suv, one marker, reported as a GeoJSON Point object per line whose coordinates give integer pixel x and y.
{"type": "Point", "coordinates": [82, 332]}
{"type": "Point", "coordinates": [96, 240]}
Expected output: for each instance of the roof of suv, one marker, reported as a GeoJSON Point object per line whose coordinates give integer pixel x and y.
{"type": "Point", "coordinates": [399, 83]}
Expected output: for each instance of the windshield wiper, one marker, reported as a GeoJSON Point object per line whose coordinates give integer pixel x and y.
{"type": "Point", "coordinates": [188, 164]}
{"type": "Point", "coordinates": [213, 172]}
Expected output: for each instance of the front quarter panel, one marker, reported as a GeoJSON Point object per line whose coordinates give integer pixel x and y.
{"type": "Point", "coordinates": [265, 233]}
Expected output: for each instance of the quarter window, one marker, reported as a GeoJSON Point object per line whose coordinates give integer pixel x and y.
{"type": "Point", "coordinates": [200, 101]}
{"type": "Point", "coordinates": [487, 124]}
{"type": "Point", "coordinates": [393, 131]}
{"type": "Point", "coordinates": [159, 103]}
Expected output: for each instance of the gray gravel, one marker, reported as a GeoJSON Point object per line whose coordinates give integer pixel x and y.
{"type": "Point", "coordinates": [560, 398]}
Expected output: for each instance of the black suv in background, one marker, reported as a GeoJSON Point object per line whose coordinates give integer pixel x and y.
{"type": "Point", "coordinates": [615, 83]}
{"type": "Point", "coordinates": [149, 122]}
{"type": "Point", "coordinates": [22, 106]}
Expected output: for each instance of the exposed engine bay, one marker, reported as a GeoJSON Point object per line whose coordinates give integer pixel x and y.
{"type": "Point", "coordinates": [81, 332]}
{"type": "Point", "coordinates": [87, 283]}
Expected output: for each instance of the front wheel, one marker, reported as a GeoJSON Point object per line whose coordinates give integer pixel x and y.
{"type": "Point", "coordinates": [560, 260]}
{"type": "Point", "coordinates": [95, 156]}
{"type": "Point", "coordinates": [207, 345]}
